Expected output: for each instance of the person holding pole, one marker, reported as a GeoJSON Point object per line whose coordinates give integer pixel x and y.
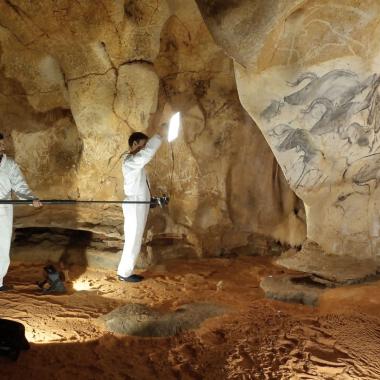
{"type": "Point", "coordinates": [136, 188]}
{"type": "Point", "coordinates": [11, 180]}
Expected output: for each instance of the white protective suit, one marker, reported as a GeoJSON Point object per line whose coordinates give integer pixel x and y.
{"type": "Point", "coordinates": [136, 188]}
{"type": "Point", "coordinates": [11, 179]}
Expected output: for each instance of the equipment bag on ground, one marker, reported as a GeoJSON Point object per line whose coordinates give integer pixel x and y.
{"type": "Point", "coordinates": [12, 338]}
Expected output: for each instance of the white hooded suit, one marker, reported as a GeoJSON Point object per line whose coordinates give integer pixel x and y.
{"type": "Point", "coordinates": [11, 179]}
{"type": "Point", "coordinates": [136, 188]}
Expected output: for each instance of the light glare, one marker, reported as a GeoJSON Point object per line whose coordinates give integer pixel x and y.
{"type": "Point", "coordinates": [174, 127]}
{"type": "Point", "coordinates": [81, 285]}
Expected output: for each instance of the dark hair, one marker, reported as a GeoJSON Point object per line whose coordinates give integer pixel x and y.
{"type": "Point", "coordinates": [137, 136]}
{"type": "Point", "coordinates": [1, 136]}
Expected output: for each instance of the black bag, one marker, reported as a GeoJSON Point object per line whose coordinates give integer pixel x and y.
{"type": "Point", "coordinates": [12, 338]}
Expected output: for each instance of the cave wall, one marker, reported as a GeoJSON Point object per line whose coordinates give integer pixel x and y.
{"type": "Point", "coordinates": [77, 77]}
{"type": "Point", "coordinates": [308, 74]}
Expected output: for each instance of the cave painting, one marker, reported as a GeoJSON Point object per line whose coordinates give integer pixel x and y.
{"type": "Point", "coordinates": [338, 104]}
{"type": "Point", "coordinates": [365, 170]}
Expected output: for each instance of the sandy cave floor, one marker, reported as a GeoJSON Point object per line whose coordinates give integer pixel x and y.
{"type": "Point", "coordinates": [255, 339]}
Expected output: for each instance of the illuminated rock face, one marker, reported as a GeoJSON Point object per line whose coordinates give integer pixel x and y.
{"type": "Point", "coordinates": [308, 74]}
{"type": "Point", "coordinates": [76, 78]}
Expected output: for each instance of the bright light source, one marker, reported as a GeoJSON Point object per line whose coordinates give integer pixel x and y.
{"type": "Point", "coordinates": [81, 285]}
{"type": "Point", "coordinates": [174, 127]}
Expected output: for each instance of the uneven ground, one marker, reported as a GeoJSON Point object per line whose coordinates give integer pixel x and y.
{"type": "Point", "coordinates": [256, 339]}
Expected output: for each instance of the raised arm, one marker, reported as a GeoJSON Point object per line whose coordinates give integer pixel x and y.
{"type": "Point", "coordinates": [140, 159]}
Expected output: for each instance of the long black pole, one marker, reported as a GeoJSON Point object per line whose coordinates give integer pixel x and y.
{"type": "Point", "coordinates": [70, 202]}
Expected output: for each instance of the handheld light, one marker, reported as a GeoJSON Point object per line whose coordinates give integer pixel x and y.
{"type": "Point", "coordinates": [174, 127]}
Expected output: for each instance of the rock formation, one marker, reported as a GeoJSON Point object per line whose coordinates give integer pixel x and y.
{"type": "Point", "coordinates": [76, 78]}
{"type": "Point", "coordinates": [307, 73]}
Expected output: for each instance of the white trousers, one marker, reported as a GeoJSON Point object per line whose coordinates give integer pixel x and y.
{"type": "Point", "coordinates": [6, 224]}
{"type": "Point", "coordinates": [135, 217]}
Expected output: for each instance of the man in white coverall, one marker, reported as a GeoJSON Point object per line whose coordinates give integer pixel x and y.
{"type": "Point", "coordinates": [136, 188]}
{"type": "Point", "coordinates": [11, 179]}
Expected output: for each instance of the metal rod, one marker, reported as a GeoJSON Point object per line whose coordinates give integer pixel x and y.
{"type": "Point", "coordinates": [70, 202]}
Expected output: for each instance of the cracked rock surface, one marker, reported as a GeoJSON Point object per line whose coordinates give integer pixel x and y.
{"type": "Point", "coordinates": [76, 78]}
{"type": "Point", "coordinates": [311, 82]}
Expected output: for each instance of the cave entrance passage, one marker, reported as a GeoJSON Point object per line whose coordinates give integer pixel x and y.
{"type": "Point", "coordinates": [49, 244]}
{"type": "Point", "coordinates": [68, 247]}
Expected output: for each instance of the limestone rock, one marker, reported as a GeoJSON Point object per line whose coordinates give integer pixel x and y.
{"type": "Point", "coordinates": [337, 269]}
{"type": "Point", "coordinates": [292, 289]}
{"type": "Point", "coordinates": [141, 320]}
{"type": "Point", "coordinates": [137, 94]}
{"type": "Point", "coordinates": [77, 78]}
{"type": "Point", "coordinates": [308, 75]}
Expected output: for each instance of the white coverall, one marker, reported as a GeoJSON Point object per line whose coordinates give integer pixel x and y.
{"type": "Point", "coordinates": [135, 215]}
{"type": "Point", "coordinates": [11, 179]}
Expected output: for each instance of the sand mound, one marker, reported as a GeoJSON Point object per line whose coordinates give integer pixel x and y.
{"type": "Point", "coordinates": [292, 288]}
{"type": "Point", "coordinates": [141, 320]}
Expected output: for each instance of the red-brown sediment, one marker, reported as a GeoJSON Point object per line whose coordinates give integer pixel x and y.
{"type": "Point", "coordinates": [256, 339]}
